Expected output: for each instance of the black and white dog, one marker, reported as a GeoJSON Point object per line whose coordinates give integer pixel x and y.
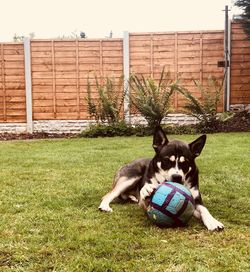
{"type": "Point", "coordinates": [175, 161]}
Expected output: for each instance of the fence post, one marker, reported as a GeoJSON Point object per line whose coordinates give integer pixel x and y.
{"type": "Point", "coordinates": [28, 85]}
{"type": "Point", "coordinates": [229, 66]}
{"type": "Point", "coordinates": [227, 61]}
{"type": "Point", "coordinates": [126, 75]}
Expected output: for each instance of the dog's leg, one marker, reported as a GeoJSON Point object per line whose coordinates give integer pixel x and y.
{"type": "Point", "coordinates": [202, 213]}
{"type": "Point", "coordinates": [130, 197]}
{"type": "Point", "coordinates": [145, 192]}
{"type": "Point", "coordinates": [208, 220]}
{"type": "Point", "coordinates": [122, 184]}
{"type": "Point", "coordinates": [133, 198]}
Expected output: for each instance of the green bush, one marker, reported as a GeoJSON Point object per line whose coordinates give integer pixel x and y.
{"type": "Point", "coordinates": [206, 108]}
{"type": "Point", "coordinates": [123, 129]}
{"type": "Point", "coordinates": [152, 98]}
{"type": "Point", "coordinates": [116, 129]}
{"type": "Point", "coordinates": [108, 130]}
{"type": "Point", "coordinates": [107, 107]}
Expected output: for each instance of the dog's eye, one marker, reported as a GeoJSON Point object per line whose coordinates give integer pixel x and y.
{"type": "Point", "coordinates": [183, 163]}
{"type": "Point", "coordinates": [167, 163]}
{"type": "Point", "coordinates": [167, 160]}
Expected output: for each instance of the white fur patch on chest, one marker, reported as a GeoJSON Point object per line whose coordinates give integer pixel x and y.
{"type": "Point", "coordinates": [195, 192]}
{"type": "Point", "coordinates": [155, 181]}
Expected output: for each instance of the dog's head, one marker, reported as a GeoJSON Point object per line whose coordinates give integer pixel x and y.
{"type": "Point", "coordinates": [175, 160]}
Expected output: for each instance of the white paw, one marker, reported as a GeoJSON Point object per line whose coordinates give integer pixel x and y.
{"type": "Point", "coordinates": [146, 191]}
{"type": "Point", "coordinates": [133, 198]}
{"type": "Point", "coordinates": [213, 225]}
{"type": "Point", "coordinates": [105, 208]}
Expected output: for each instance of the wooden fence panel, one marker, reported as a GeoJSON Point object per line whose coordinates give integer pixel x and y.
{"type": "Point", "coordinates": [240, 66]}
{"type": "Point", "coordinates": [12, 83]}
{"type": "Point", "coordinates": [187, 56]}
{"type": "Point", "coordinates": [61, 71]}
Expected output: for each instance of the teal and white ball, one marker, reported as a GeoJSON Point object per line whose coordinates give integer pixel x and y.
{"type": "Point", "coordinates": [171, 205]}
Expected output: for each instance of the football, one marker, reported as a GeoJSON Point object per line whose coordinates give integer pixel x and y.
{"type": "Point", "coordinates": [171, 205]}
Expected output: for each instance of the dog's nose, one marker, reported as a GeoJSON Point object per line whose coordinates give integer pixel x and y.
{"type": "Point", "coordinates": [176, 178]}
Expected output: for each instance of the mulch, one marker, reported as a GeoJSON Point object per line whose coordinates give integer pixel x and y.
{"type": "Point", "coordinates": [240, 122]}
{"type": "Point", "coordinates": [37, 135]}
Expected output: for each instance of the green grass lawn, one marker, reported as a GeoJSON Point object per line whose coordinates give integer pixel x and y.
{"type": "Point", "coordinates": [50, 191]}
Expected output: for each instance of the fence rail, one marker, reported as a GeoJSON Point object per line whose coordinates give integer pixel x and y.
{"type": "Point", "coordinates": [60, 69]}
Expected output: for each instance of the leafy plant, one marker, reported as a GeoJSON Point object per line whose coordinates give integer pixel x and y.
{"type": "Point", "coordinates": [116, 129]}
{"type": "Point", "coordinates": [206, 108]}
{"type": "Point", "coordinates": [152, 98]}
{"type": "Point", "coordinates": [110, 130]}
{"type": "Point", "coordinates": [107, 106]}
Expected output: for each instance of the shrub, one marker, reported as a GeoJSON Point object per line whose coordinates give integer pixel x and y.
{"type": "Point", "coordinates": [108, 130]}
{"type": "Point", "coordinates": [206, 108]}
{"type": "Point", "coordinates": [107, 107]}
{"type": "Point", "coordinates": [123, 129]}
{"type": "Point", "coordinates": [116, 129]}
{"type": "Point", "coordinates": [151, 98]}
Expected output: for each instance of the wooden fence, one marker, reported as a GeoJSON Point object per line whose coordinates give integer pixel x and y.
{"type": "Point", "coordinates": [188, 56]}
{"type": "Point", "coordinates": [12, 83]}
{"type": "Point", "coordinates": [60, 69]}
{"type": "Point", "coordinates": [240, 66]}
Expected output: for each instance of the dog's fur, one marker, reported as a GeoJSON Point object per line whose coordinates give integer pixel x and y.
{"type": "Point", "coordinates": [173, 160]}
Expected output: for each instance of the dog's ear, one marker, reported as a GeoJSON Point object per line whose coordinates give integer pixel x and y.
{"type": "Point", "coordinates": [160, 139]}
{"type": "Point", "coordinates": [197, 145]}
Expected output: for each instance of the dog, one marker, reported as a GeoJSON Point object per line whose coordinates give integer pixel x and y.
{"type": "Point", "coordinates": [174, 161]}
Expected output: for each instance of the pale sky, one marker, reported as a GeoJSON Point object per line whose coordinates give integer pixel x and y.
{"type": "Point", "coordinates": [54, 18]}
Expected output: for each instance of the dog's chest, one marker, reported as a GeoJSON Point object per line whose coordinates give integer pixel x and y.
{"type": "Point", "coordinates": [157, 179]}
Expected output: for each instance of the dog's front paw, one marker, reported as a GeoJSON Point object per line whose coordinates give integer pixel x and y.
{"type": "Point", "coordinates": [213, 225]}
{"type": "Point", "coordinates": [146, 191]}
{"type": "Point", "coordinates": [105, 208]}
